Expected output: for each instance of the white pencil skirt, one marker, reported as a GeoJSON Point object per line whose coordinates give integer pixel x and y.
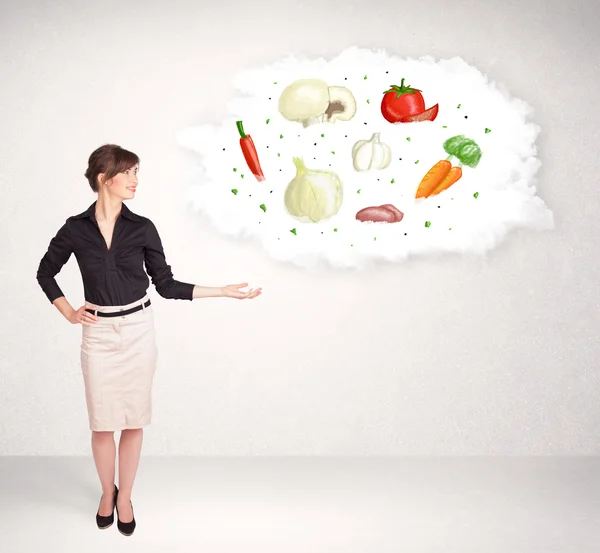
{"type": "Point", "coordinates": [118, 362]}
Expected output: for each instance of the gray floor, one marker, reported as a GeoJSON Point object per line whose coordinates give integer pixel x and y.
{"type": "Point", "coordinates": [310, 505]}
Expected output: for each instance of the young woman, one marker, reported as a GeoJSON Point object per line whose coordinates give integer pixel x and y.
{"type": "Point", "coordinates": [118, 348]}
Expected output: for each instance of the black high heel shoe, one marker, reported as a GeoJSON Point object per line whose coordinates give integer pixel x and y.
{"type": "Point", "coordinates": [104, 522]}
{"type": "Point", "coordinates": [126, 528]}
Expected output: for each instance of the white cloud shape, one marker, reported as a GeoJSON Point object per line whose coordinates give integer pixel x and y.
{"type": "Point", "coordinates": [471, 217]}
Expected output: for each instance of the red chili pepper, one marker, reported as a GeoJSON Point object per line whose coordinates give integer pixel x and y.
{"type": "Point", "coordinates": [249, 152]}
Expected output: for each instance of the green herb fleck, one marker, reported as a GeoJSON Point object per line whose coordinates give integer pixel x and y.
{"type": "Point", "coordinates": [416, 161]}
{"type": "Point", "coordinates": [280, 136]}
{"type": "Point", "coordinates": [234, 169]}
{"type": "Point", "coordinates": [293, 231]}
{"type": "Point", "coordinates": [263, 207]}
{"type": "Point", "coordinates": [476, 195]}
{"type": "Point", "coordinates": [278, 155]}
{"type": "Point", "coordinates": [335, 229]}
{"type": "Point", "coordinates": [234, 190]}
{"type": "Point", "coordinates": [408, 138]}
{"type": "Point", "coordinates": [365, 77]}
{"type": "Point", "coordinates": [444, 126]}
{"type": "Point", "coordinates": [458, 107]}
{"type": "Point", "coordinates": [242, 175]}
{"type": "Point", "coordinates": [274, 82]}
{"type": "Point", "coordinates": [428, 223]}
{"type": "Point", "coordinates": [368, 101]}
{"type": "Point", "coordinates": [333, 152]}
{"type": "Point", "coordinates": [393, 181]}
{"type": "Point", "coordinates": [268, 121]}
{"type": "Point", "coordinates": [322, 136]}
{"type": "Point", "coordinates": [487, 130]}
{"type": "Point", "coordinates": [375, 238]}
{"type": "Point", "coordinates": [358, 191]}
{"type": "Point", "coordinates": [450, 228]}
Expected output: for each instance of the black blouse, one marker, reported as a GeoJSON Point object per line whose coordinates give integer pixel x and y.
{"type": "Point", "coordinates": [112, 276]}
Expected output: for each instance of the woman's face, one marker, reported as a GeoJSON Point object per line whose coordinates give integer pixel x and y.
{"type": "Point", "coordinates": [123, 184]}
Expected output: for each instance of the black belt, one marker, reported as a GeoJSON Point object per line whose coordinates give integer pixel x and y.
{"type": "Point", "coordinates": [118, 313]}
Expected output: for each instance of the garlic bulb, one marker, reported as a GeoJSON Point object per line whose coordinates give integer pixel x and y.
{"type": "Point", "coordinates": [371, 154]}
{"type": "Point", "coordinates": [305, 100]}
{"type": "Point", "coordinates": [313, 195]}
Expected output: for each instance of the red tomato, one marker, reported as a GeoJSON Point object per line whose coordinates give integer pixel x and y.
{"type": "Point", "coordinates": [428, 115]}
{"type": "Point", "coordinates": [401, 101]}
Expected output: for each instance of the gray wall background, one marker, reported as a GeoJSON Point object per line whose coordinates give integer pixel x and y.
{"type": "Point", "coordinates": [444, 356]}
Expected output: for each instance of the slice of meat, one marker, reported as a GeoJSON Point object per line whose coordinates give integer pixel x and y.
{"type": "Point", "coordinates": [385, 213]}
{"type": "Point", "coordinates": [395, 210]}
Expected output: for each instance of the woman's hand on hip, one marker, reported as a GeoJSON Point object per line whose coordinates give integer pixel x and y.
{"type": "Point", "coordinates": [233, 291]}
{"type": "Point", "coordinates": [81, 316]}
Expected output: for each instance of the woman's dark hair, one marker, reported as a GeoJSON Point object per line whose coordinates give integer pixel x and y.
{"type": "Point", "coordinates": [109, 159]}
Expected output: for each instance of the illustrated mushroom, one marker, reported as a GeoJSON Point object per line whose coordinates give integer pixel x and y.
{"type": "Point", "coordinates": [310, 101]}
{"type": "Point", "coordinates": [342, 105]}
{"type": "Point", "coordinates": [305, 100]}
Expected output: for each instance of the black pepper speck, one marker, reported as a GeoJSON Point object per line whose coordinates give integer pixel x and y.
{"type": "Point", "coordinates": [466, 117]}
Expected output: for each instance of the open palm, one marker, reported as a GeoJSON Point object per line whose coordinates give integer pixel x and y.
{"type": "Point", "coordinates": [233, 291]}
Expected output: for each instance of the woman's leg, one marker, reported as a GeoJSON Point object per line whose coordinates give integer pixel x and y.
{"type": "Point", "coordinates": [130, 446]}
{"type": "Point", "coordinates": [104, 451]}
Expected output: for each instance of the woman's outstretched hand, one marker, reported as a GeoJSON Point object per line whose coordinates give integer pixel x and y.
{"type": "Point", "coordinates": [233, 291]}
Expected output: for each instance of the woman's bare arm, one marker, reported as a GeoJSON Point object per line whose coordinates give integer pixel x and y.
{"type": "Point", "coordinates": [64, 307]}
{"type": "Point", "coordinates": [229, 291]}
{"type": "Point", "coordinates": [207, 292]}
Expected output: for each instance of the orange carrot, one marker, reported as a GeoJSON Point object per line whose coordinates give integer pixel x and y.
{"type": "Point", "coordinates": [433, 178]}
{"type": "Point", "coordinates": [454, 174]}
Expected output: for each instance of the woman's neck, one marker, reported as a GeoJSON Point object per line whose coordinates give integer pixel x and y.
{"type": "Point", "coordinates": [108, 211]}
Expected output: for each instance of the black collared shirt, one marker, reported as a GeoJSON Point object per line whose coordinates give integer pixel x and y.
{"type": "Point", "coordinates": [112, 276]}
